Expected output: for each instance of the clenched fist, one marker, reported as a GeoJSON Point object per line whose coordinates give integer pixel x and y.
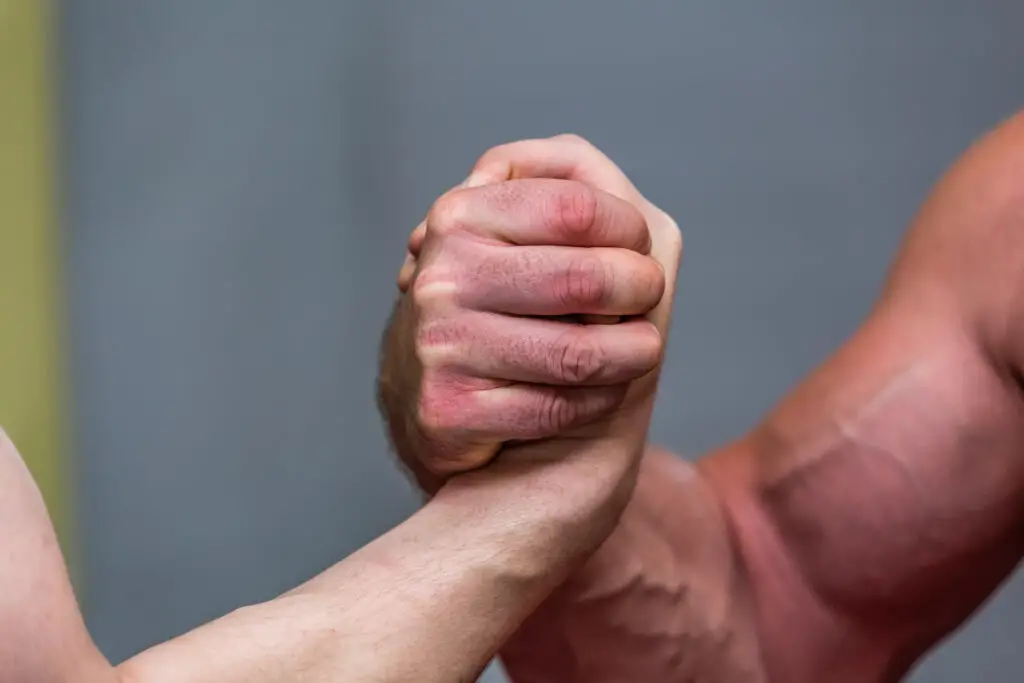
{"type": "Point", "coordinates": [534, 299]}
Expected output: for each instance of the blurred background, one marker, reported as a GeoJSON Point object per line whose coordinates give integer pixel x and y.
{"type": "Point", "coordinates": [203, 205]}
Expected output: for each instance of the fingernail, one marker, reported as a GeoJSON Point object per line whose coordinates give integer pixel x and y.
{"type": "Point", "coordinates": [494, 173]}
{"type": "Point", "coordinates": [475, 179]}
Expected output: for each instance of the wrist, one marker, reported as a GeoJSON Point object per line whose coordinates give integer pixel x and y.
{"type": "Point", "coordinates": [545, 507]}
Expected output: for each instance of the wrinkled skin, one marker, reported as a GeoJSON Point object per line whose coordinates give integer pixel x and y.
{"type": "Point", "coordinates": [866, 517]}
{"type": "Point", "coordinates": [433, 599]}
{"type": "Point", "coordinates": [541, 231]}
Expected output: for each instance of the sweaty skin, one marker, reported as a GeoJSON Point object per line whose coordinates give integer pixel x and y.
{"type": "Point", "coordinates": [865, 518]}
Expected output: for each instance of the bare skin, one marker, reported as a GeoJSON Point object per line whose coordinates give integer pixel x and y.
{"type": "Point", "coordinates": [432, 600]}
{"type": "Point", "coordinates": [859, 523]}
{"type": "Point", "coordinates": [866, 517]}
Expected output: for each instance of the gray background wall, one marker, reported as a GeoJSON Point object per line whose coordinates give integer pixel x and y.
{"type": "Point", "coordinates": [241, 177]}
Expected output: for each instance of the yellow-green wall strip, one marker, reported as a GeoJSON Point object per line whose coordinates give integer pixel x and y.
{"type": "Point", "coordinates": [31, 348]}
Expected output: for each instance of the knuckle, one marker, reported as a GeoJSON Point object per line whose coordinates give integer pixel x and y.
{"type": "Point", "coordinates": [492, 155]}
{"type": "Point", "coordinates": [447, 213]}
{"type": "Point", "coordinates": [585, 282]}
{"type": "Point", "coordinates": [434, 415]}
{"type": "Point", "coordinates": [556, 413]}
{"type": "Point", "coordinates": [577, 208]}
{"type": "Point", "coordinates": [431, 290]}
{"type": "Point", "coordinates": [437, 342]}
{"type": "Point", "coordinates": [576, 359]}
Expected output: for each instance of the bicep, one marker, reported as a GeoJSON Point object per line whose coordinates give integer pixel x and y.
{"type": "Point", "coordinates": [42, 636]}
{"type": "Point", "coordinates": [888, 485]}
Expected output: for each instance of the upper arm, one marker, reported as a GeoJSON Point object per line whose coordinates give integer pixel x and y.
{"type": "Point", "coordinates": [42, 636]}
{"type": "Point", "coordinates": [887, 490]}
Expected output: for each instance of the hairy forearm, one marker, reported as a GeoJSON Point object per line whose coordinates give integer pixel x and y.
{"type": "Point", "coordinates": [416, 605]}
{"type": "Point", "coordinates": [664, 599]}
{"type": "Point", "coordinates": [431, 601]}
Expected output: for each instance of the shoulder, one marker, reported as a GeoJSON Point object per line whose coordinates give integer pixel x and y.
{"type": "Point", "coordinates": [962, 261]}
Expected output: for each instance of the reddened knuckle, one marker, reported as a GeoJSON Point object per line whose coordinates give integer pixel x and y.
{"type": "Point", "coordinates": [577, 208]}
{"type": "Point", "coordinates": [577, 359]}
{"type": "Point", "coordinates": [436, 342]}
{"type": "Point", "coordinates": [585, 282]}
{"type": "Point", "coordinates": [434, 413]}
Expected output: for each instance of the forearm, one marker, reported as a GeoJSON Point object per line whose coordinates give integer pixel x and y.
{"type": "Point", "coordinates": [422, 603]}
{"type": "Point", "coordinates": [430, 602]}
{"type": "Point", "coordinates": [663, 599]}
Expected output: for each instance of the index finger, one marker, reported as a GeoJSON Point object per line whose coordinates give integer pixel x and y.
{"type": "Point", "coordinates": [541, 211]}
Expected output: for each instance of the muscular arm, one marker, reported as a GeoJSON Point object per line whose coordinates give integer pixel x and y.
{"type": "Point", "coordinates": [430, 601]}
{"type": "Point", "coordinates": [867, 516]}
